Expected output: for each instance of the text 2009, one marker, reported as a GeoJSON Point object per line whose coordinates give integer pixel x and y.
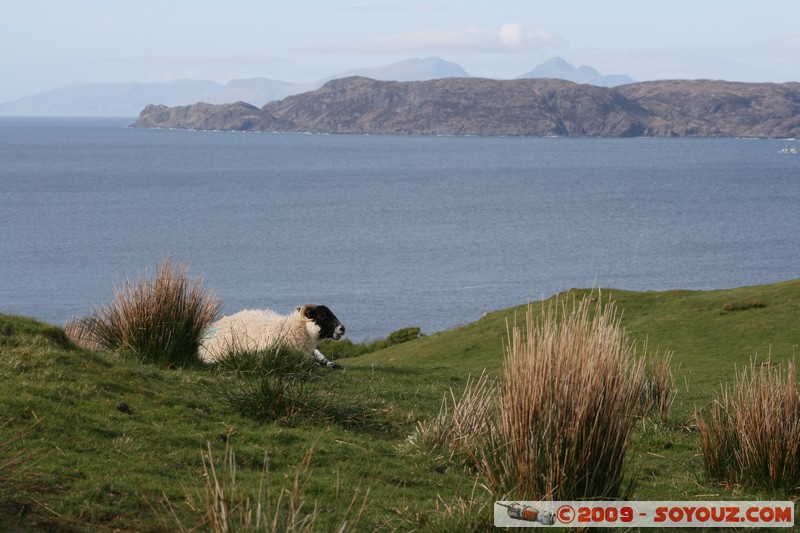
{"type": "Point", "coordinates": [605, 514]}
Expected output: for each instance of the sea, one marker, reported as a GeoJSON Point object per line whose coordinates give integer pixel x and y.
{"type": "Point", "coordinates": [388, 231]}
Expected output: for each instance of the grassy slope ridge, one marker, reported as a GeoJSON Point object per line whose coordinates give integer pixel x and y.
{"type": "Point", "coordinates": [90, 464]}
{"type": "Point", "coordinates": [707, 338]}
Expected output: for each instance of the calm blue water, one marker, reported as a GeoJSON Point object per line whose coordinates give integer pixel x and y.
{"type": "Point", "coordinates": [388, 231]}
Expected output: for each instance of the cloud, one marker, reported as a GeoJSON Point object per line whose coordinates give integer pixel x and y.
{"type": "Point", "coordinates": [511, 34]}
{"type": "Point", "coordinates": [509, 38]}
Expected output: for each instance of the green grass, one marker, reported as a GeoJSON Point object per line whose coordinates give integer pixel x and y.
{"type": "Point", "coordinates": [87, 465]}
{"type": "Point", "coordinates": [708, 341]}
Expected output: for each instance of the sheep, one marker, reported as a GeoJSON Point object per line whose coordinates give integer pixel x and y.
{"type": "Point", "coordinates": [257, 329]}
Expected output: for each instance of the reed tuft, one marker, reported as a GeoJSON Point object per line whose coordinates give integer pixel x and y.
{"type": "Point", "coordinates": [465, 426]}
{"type": "Point", "coordinates": [659, 390]}
{"type": "Point", "coordinates": [752, 432]}
{"type": "Point", "coordinates": [571, 390]}
{"type": "Point", "coordinates": [558, 425]}
{"type": "Point", "coordinates": [159, 318]}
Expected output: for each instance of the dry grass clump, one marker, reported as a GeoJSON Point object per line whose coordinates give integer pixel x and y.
{"type": "Point", "coordinates": [752, 433]}
{"type": "Point", "coordinates": [473, 514]}
{"type": "Point", "coordinates": [659, 390]}
{"type": "Point", "coordinates": [464, 427]}
{"type": "Point", "coordinates": [559, 424]}
{"type": "Point", "coordinates": [222, 506]}
{"type": "Point", "coordinates": [82, 332]}
{"type": "Point", "coordinates": [159, 318]}
{"type": "Point", "coordinates": [572, 387]}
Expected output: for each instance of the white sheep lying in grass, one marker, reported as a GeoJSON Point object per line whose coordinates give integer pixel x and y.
{"type": "Point", "coordinates": [255, 330]}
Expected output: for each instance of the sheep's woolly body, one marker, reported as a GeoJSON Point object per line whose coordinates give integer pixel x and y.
{"type": "Point", "coordinates": [258, 330]}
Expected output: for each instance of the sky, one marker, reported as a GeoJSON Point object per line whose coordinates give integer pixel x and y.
{"type": "Point", "coordinates": [47, 44]}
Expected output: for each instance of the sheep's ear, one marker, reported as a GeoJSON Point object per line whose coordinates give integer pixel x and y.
{"type": "Point", "coordinates": [306, 310]}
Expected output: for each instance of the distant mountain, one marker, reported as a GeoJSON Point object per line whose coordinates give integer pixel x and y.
{"type": "Point", "coordinates": [534, 107]}
{"type": "Point", "coordinates": [257, 91]}
{"type": "Point", "coordinates": [559, 69]}
{"type": "Point", "coordinates": [98, 99]}
{"type": "Point", "coordinates": [430, 68]}
{"type": "Point", "coordinates": [128, 99]}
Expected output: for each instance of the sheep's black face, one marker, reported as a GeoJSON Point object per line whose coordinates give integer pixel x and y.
{"type": "Point", "coordinates": [329, 325]}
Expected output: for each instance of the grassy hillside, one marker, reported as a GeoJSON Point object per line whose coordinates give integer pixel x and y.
{"type": "Point", "coordinates": [103, 442]}
{"type": "Point", "coordinates": [709, 333]}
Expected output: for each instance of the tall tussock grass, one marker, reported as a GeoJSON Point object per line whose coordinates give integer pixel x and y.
{"type": "Point", "coordinates": [159, 318]}
{"type": "Point", "coordinates": [464, 427]}
{"type": "Point", "coordinates": [659, 390]}
{"type": "Point", "coordinates": [559, 424]}
{"type": "Point", "coordinates": [752, 433]}
{"type": "Point", "coordinates": [571, 390]}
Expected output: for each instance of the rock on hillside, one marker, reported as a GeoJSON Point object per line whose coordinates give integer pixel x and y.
{"type": "Point", "coordinates": [536, 107]}
{"type": "Point", "coordinates": [239, 116]}
{"type": "Point", "coordinates": [460, 106]}
{"type": "Point", "coordinates": [708, 108]}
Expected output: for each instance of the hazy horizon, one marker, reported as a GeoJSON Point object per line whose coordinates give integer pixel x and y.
{"type": "Point", "coordinates": [49, 44]}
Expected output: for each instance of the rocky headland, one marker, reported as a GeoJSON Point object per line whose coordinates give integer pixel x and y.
{"type": "Point", "coordinates": [524, 107]}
